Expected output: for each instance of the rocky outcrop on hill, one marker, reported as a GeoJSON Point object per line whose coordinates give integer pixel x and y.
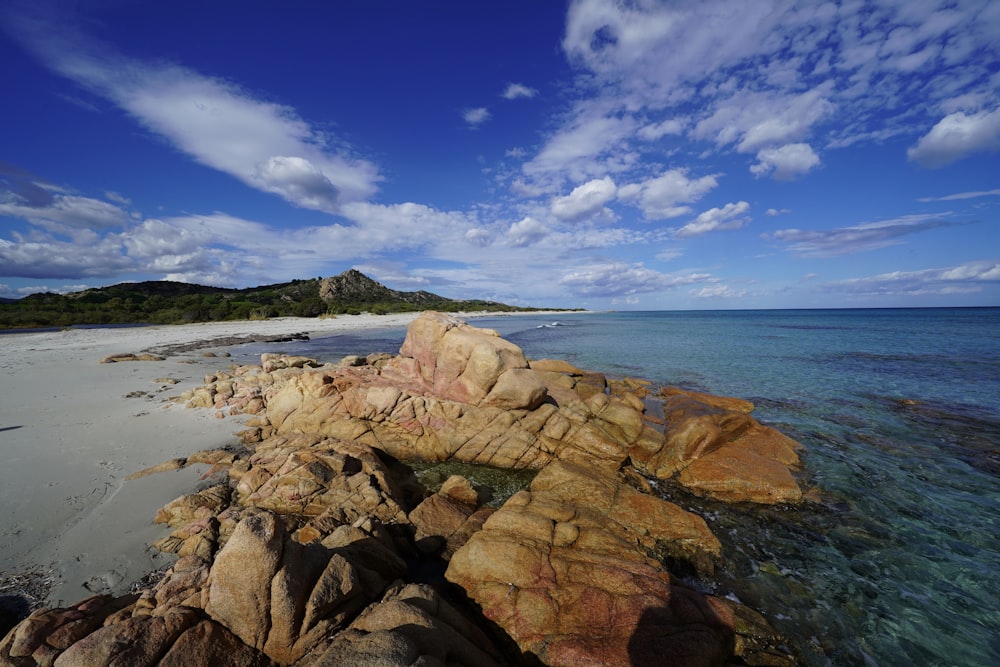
{"type": "Point", "coordinates": [317, 545]}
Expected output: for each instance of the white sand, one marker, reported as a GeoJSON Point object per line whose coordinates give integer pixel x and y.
{"type": "Point", "coordinates": [69, 436]}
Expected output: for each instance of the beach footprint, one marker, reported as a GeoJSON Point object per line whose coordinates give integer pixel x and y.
{"type": "Point", "coordinates": [104, 582]}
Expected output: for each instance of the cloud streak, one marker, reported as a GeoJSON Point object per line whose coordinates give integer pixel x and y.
{"type": "Point", "coordinates": [857, 238]}
{"type": "Point", "coordinates": [217, 123]}
{"type": "Point", "coordinates": [966, 278]}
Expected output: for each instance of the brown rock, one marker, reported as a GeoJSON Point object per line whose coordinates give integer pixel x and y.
{"type": "Point", "coordinates": [567, 569]}
{"type": "Point", "coordinates": [718, 450]}
{"type": "Point", "coordinates": [446, 520]}
{"type": "Point", "coordinates": [455, 360]}
{"type": "Point", "coordinates": [40, 638]}
{"type": "Point", "coordinates": [145, 356]}
{"type": "Point", "coordinates": [282, 597]}
{"type": "Point", "coordinates": [208, 643]}
{"type": "Point", "coordinates": [555, 366]}
{"type": "Point", "coordinates": [239, 595]}
{"type": "Point", "coordinates": [134, 642]}
{"type": "Point", "coordinates": [737, 473]}
{"type": "Point", "coordinates": [412, 625]}
{"type": "Point", "coordinates": [516, 389]}
{"type": "Point", "coordinates": [726, 403]}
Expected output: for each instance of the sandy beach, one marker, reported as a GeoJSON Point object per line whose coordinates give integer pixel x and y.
{"type": "Point", "coordinates": [72, 429]}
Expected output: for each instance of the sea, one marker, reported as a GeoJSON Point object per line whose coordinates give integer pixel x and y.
{"type": "Point", "coordinates": [896, 561]}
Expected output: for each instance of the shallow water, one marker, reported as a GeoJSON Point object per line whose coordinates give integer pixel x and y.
{"type": "Point", "coordinates": [898, 410]}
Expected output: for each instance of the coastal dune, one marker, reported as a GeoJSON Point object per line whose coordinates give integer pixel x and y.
{"type": "Point", "coordinates": [72, 429]}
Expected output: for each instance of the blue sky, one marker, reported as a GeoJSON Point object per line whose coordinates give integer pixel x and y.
{"type": "Point", "coordinates": [630, 155]}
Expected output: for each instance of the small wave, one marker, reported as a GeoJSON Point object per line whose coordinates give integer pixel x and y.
{"type": "Point", "coordinates": [550, 326]}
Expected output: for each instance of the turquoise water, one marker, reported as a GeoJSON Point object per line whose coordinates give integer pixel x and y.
{"type": "Point", "coordinates": [899, 410]}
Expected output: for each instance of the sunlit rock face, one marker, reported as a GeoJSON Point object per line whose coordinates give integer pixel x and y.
{"type": "Point", "coordinates": [312, 545]}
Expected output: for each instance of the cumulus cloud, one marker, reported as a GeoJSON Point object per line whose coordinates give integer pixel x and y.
{"type": "Point", "coordinates": [785, 162]}
{"type": "Point", "coordinates": [298, 180]}
{"type": "Point", "coordinates": [667, 195]}
{"type": "Point", "coordinates": [526, 232]}
{"type": "Point", "coordinates": [857, 238]}
{"type": "Point", "coordinates": [957, 136]}
{"type": "Point", "coordinates": [965, 278]}
{"type": "Point", "coordinates": [618, 279]}
{"type": "Point", "coordinates": [728, 217]}
{"type": "Point", "coordinates": [476, 117]}
{"type": "Point", "coordinates": [516, 90]}
{"type": "Point", "coordinates": [585, 200]}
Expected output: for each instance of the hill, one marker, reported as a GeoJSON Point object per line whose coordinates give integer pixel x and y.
{"type": "Point", "coordinates": [166, 302]}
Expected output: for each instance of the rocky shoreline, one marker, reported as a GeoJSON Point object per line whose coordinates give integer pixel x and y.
{"type": "Point", "coordinates": [316, 543]}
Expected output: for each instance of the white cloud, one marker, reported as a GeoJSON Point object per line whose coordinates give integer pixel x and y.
{"type": "Point", "coordinates": [966, 278]}
{"type": "Point", "coordinates": [754, 121]}
{"type": "Point", "coordinates": [214, 121]}
{"type": "Point", "coordinates": [663, 45]}
{"type": "Point", "coordinates": [477, 116]}
{"type": "Point", "coordinates": [666, 195]}
{"type": "Point", "coordinates": [963, 195]}
{"type": "Point", "coordinates": [64, 213]}
{"type": "Point", "coordinates": [575, 151]}
{"type": "Point", "coordinates": [585, 200]}
{"type": "Point", "coordinates": [857, 238]}
{"type": "Point", "coordinates": [297, 180]}
{"type": "Point", "coordinates": [773, 73]}
{"type": "Point", "coordinates": [669, 254]}
{"type": "Point", "coordinates": [717, 292]}
{"type": "Point", "coordinates": [716, 219]}
{"type": "Point", "coordinates": [516, 90]}
{"type": "Point", "coordinates": [956, 136]}
{"type": "Point", "coordinates": [526, 232]}
{"type": "Point", "coordinates": [655, 131]}
{"type": "Point", "coordinates": [55, 259]}
{"type": "Point", "coordinates": [777, 211]}
{"type": "Point", "coordinates": [785, 162]}
{"type": "Point", "coordinates": [608, 279]}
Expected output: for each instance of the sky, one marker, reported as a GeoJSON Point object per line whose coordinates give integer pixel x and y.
{"type": "Point", "coordinates": [640, 154]}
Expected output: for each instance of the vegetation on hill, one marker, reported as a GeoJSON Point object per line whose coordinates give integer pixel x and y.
{"type": "Point", "coordinates": [164, 302]}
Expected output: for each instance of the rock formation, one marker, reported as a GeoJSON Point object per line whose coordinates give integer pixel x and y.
{"type": "Point", "coordinates": [319, 546]}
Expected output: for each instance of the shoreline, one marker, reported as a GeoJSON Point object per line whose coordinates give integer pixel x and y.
{"type": "Point", "coordinates": [72, 429]}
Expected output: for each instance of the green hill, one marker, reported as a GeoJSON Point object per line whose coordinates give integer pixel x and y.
{"type": "Point", "coordinates": [165, 302]}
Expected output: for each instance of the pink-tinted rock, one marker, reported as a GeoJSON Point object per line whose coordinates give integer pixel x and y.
{"type": "Point", "coordinates": [457, 361]}
{"type": "Point", "coordinates": [568, 570]}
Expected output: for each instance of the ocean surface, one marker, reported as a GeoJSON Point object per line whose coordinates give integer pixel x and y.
{"type": "Point", "coordinates": [899, 410]}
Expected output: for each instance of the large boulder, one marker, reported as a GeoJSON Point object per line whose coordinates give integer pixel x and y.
{"type": "Point", "coordinates": [282, 597]}
{"type": "Point", "coordinates": [570, 570]}
{"type": "Point", "coordinates": [465, 363]}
